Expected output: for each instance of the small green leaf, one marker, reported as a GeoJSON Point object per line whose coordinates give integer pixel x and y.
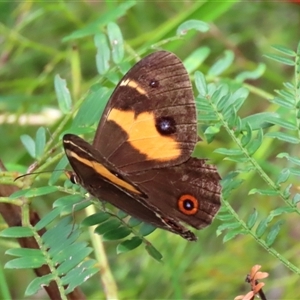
{"type": "Point", "coordinates": [293, 159]}
{"type": "Point", "coordinates": [231, 175]}
{"type": "Point", "coordinates": [103, 53]}
{"type": "Point", "coordinates": [284, 103]}
{"type": "Point", "coordinates": [251, 75]}
{"type": "Point", "coordinates": [129, 245]}
{"type": "Point", "coordinates": [44, 190]}
{"type": "Point", "coordinates": [232, 234]}
{"type": "Point", "coordinates": [283, 176]}
{"type": "Point", "coordinates": [58, 234]}
{"type": "Point", "coordinates": [116, 42]}
{"type": "Point", "coordinates": [259, 120]}
{"type": "Point", "coordinates": [283, 123]}
{"type": "Point", "coordinates": [212, 130]}
{"type": "Point", "coordinates": [29, 262]}
{"type": "Point", "coordinates": [73, 260]}
{"type": "Point", "coordinates": [246, 138]}
{"type": "Point", "coordinates": [116, 234]}
{"type": "Point", "coordinates": [210, 117]}
{"type": "Point", "coordinates": [279, 211]}
{"type": "Point", "coordinates": [146, 229]}
{"type": "Point", "coordinates": [35, 284]}
{"type": "Point", "coordinates": [239, 125]}
{"type": "Point", "coordinates": [296, 199]}
{"type": "Point", "coordinates": [134, 222]}
{"type": "Point", "coordinates": [200, 83]}
{"type": "Point", "coordinates": [229, 152]}
{"type": "Point", "coordinates": [21, 252]}
{"type": "Point", "coordinates": [63, 94]}
{"type": "Point", "coordinates": [239, 97]}
{"type": "Point", "coordinates": [153, 252]}
{"type": "Point", "coordinates": [237, 159]}
{"type": "Point", "coordinates": [69, 200]}
{"type": "Point", "coordinates": [261, 228]}
{"type": "Point", "coordinates": [63, 242]}
{"type": "Point", "coordinates": [196, 58]}
{"type": "Point", "coordinates": [79, 275]}
{"type": "Point", "coordinates": [229, 186]}
{"type": "Point", "coordinates": [274, 230]}
{"type": "Point", "coordinates": [281, 59]}
{"type": "Point", "coordinates": [295, 171]}
{"type": "Point", "coordinates": [222, 64]}
{"type": "Point", "coordinates": [284, 50]}
{"type": "Point", "coordinates": [95, 219]}
{"type": "Point", "coordinates": [275, 119]}
{"type": "Point", "coordinates": [108, 225]}
{"type": "Point", "coordinates": [47, 219]}
{"type": "Point", "coordinates": [223, 102]}
{"type": "Point", "coordinates": [252, 219]}
{"type": "Point", "coordinates": [232, 118]}
{"type": "Point", "coordinates": [203, 106]}
{"type": "Point", "coordinates": [283, 137]}
{"type": "Point", "coordinates": [68, 252]}
{"type": "Point", "coordinates": [70, 209]}
{"type": "Point", "coordinates": [209, 138]}
{"type": "Point", "coordinates": [286, 95]}
{"type": "Point", "coordinates": [18, 194]}
{"type": "Point", "coordinates": [287, 191]}
{"type": "Point", "coordinates": [290, 86]}
{"type": "Point", "coordinates": [254, 144]}
{"type": "Point", "coordinates": [265, 192]}
{"type": "Point", "coordinates": [121, 214]}
{"type": "Point", "coordinates": [40, 142]}
{"type": "Point", "coordinates": [219, 93]}
{"type": "Point", "coordinates": [192, 24]}
{"type": "Point", "coordinates": [16, 232]}
{"type": "Point", "coordinates": [29, 144]}
{"type": "Point", "coordinates": [226, 226]}
{"type": "Point", "coordinates": [224, 217]}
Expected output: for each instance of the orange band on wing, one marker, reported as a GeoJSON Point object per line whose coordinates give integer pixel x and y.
{"type": "Point", "coordinates": [104, 172]}
{"type": "Point", "coordinates": [144, 136]}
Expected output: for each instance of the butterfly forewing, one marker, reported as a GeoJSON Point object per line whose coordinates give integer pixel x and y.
{"type": "Point", "coordinates": [150, 119]}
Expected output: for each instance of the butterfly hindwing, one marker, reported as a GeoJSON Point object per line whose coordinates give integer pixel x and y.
{"type": "Point", "coordinates": [189, 192]}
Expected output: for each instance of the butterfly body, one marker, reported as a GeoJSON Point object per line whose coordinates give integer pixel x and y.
{"type": "Point", "coordinates": [140, 160]}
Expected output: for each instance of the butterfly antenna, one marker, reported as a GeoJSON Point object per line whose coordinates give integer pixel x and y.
{"type": "Point", "coordinates": [35, 173]}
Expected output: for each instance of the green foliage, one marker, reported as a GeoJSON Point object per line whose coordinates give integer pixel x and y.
{"type": "Point", "coordinates": [77, 58]}
{"type": "Point", "coordinates": [58, 249]}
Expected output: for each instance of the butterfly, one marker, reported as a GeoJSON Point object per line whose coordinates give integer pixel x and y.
{"type": "Point", "coordinates": [140, 160]}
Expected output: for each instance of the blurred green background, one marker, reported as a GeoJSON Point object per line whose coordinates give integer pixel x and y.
{"type": "Point", "coordinates": [33, 49]}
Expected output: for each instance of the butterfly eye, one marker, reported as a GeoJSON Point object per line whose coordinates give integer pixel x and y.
{"type": "Point", "coordinates": [74, 178]}
{"type": "Point", "coordinates": [188, 204]}
{"type": "Point", "coordinates": [165, 125]}
{"type": "Point", "coordinates": [154, 83]}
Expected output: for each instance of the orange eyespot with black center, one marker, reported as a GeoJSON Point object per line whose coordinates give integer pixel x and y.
{"type": "Point", "coordinates": [188, 204]}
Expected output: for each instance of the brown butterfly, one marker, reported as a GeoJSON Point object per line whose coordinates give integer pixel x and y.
{"type": "Point", "coordinates": [140, 160]}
